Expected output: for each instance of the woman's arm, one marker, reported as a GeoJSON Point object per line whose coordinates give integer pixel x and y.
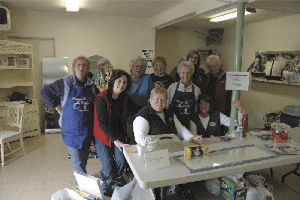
{"type": "Point", "coordinates": [224, 120]}
{"type": "Point", "coordinates": [185, 134]}
{"type": "Point", "coordinates": [52, 93]}
{"type": "Point", "coordinates": [140, 130]}
{"type": "Point", "coordinates": [171, 90]}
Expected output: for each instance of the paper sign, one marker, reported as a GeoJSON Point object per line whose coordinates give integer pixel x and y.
{"type": "Point", "coordinates": [237, 81]}
{"type": "Point", "coordinates": [156, 159]}
{"type": "Point", "coordinates": [148, 55]}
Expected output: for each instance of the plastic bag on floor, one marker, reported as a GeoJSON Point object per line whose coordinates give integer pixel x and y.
{"type": "Point", "coordinates": [259, 193]}
{"type": "Point", "coordinates": [132, 191]}
{"type": "Point", "coordinates": [213, 186]}
{"type": "Point", "coordinates": [257, 189]}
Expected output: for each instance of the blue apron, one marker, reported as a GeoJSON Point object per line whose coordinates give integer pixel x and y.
{"type": "Point", "coordinates": [77, 117]}
{"type": "Point", "coordinates": [183, 105]}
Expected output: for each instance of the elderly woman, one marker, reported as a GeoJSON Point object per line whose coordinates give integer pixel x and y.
{"type": "Point", "coordinates": [112, 107]}
{"type": "Point", "coordinates": [207, 122]}
{"type": "Point", "coordinates": [159, 77]}
{"type": "Point", "coordinates": [73, 98]}
{"type": "Point", "coordinates": [183, 94]}
{"type": "Point", "coordinates": [216, 82]}
{"type": "Point", "coordinates": [141, 83]}
{"type": "Point", "coordinates": [154, 119]}
{"type": "Point", "coordinates": [199, 73]}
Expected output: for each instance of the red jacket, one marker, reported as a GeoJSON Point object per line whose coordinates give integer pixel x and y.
{"type": "Point", "coordinates": [98, 133]}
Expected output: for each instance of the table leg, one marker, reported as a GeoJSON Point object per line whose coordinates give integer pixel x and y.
{"type": "Point", "coordinates": [295, 171]}
{"type": "Point", "coordinates": [271, 171]}
{"type": "Point", "coordinates": [160, 193]}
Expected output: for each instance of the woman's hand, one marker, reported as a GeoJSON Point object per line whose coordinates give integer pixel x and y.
{"type": "Point", "coordinates": [58, 109]}
{"type": "Point", "coordinates": [197, 139]}
{"type": "Point", "coordinates": [238, 105]}
{"type": "Point", "coordinates": [120, 144]}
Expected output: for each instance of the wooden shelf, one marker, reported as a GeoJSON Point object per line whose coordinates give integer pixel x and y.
{"type": "Point", "coordinates": [264, 80]}
{"type": "Point", "coordinates": [277, 52]}
{"type": "Point", "coordinates": [9, 68]}
{"type": "Point", "coordinates": [19, 78]}
{"type": "Point", "coordinates": [18, 84]}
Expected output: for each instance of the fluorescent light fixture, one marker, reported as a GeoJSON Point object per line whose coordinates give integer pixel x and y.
{"type": "Point", "coordinates": [226, 16]}
{"type": "Point", "coordinates": [72, 5]}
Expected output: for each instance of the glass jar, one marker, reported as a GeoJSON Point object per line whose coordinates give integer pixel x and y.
{"type": "Point", "coordinates": [151, 143]}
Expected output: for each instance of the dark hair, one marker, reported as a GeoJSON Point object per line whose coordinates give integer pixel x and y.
{"type": "Point", "coordinates": [117, 73]}
{"type": "Point", "coordinates": [206, 99]}
{"type": "Point", "coordinates": [191, 53]}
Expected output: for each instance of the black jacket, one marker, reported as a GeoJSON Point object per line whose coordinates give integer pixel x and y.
{"type": "Point", "coordinates": [157, 126]}
{"type": "Point", "coordinates": [213, 127]}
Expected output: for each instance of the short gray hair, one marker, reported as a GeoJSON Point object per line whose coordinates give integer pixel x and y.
{"type": "Point", "coordinates": [211, 58]}
{"type": "Point", "coordinates": [137, 60]}
{"type": "Point", "coordinates": [186, 64]}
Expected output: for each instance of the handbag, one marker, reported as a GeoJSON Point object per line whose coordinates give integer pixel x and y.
{"type": "Point", "coordinates": [18, 96]}
{"type": "Point", "coordinates": [275, 66]}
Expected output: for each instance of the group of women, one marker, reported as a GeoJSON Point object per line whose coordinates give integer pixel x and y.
{"type": "Point", "coordinates": [157, 104]}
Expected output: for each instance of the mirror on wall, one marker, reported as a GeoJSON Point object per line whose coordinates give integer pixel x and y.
{"type": "Point", "coordinates": [98, 63]}
{"type": "Point", "coordinates": [100, 71]}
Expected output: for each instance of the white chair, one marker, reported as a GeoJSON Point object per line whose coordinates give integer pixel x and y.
{"type": "Point", "coordinates": [13, 129]}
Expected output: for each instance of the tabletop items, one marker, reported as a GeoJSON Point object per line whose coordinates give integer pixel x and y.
{"type": "Point", "coordinates": [197, 150]}
{"type": "Point", "coordinates": [225, 157]}
{"type": "Point", "coordinates": [283, 148]}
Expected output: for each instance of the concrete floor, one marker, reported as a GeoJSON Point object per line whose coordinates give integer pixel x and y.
{"type": "Point", "coordinates": [45, 168]}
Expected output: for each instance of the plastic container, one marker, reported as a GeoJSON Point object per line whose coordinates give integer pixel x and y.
{"type": "Point", "coordinates": [239, 133]}
{"type": "Point", "coordinates": [245, 124]}
{"type": "Point", "coordinates": [234, 127]}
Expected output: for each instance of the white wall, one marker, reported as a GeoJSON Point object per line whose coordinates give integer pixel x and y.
{"type": "Point", "coordinates": [174, 43]}
{"type": "Point", "coordinates": [280, 34]}
{"type": "Point", "coordinates": [119, 39]}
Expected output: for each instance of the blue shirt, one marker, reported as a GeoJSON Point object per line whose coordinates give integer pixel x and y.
{"type": "Point", "coordinates": [140, 90]}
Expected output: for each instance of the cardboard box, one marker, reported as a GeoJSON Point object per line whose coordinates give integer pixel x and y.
{"type": "Point", "coordinates": [89, 184]}
{"type": "Point", "coordinates": [86, 184]}
{"type": "Point", "coordinates": [230, 192]}
{"type": "Point", "coordinates": [66, 194]}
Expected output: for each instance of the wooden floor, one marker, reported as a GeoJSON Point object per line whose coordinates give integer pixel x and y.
{"type": "Point", "coordinates": [45, 168]}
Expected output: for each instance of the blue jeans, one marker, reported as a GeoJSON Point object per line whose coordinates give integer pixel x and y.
{"type": "Point", "coordinates": [79, 158]}
{"type": "Point", "coordinates": [112, 160]}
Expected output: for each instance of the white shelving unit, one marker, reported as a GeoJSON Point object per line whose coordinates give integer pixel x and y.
{"type": "Point", "coordinates": [16, 75]}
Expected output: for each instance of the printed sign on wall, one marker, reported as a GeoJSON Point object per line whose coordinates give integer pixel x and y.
{"type": "Point", "coordinates": [237, 81]}
{"type": "Point", "coordinates": [148, 55]}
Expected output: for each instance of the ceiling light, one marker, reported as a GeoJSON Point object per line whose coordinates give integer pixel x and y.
{"type": "Point", "coordinates": [223, 17]}
{"type": "Point", "coordinates": [72, 5]}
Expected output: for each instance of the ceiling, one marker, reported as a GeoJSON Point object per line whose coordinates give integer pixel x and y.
{"type": "Point", "coordinates": [265, 9]}
{"type": "Point", "coordinates": [130, 8]}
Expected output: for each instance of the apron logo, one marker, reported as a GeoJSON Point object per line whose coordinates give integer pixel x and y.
{"type": "Point", "coordinates": [81, 104]}
{"type": "Point", "coordinates": [184, 106]}
{"type": "Point", "coordinates": [212, 124]}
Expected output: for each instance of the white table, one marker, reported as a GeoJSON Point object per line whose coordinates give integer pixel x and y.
{"type": "Point", "coordinates": [177, 174]}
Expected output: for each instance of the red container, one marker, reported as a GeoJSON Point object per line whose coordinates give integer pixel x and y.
{"type": "Point", "coordinates": [245, 124]}
{"type": "Point", "coordinates": [280, 136]}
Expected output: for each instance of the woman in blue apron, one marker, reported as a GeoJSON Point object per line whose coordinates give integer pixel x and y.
{"type": "Point", "coordinates": [183, 94]}
{"type": "Point", "coordinates": [73, 98]}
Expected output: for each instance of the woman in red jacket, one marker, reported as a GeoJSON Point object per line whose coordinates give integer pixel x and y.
{"type": "Point", "coordinates": [111, 109]}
